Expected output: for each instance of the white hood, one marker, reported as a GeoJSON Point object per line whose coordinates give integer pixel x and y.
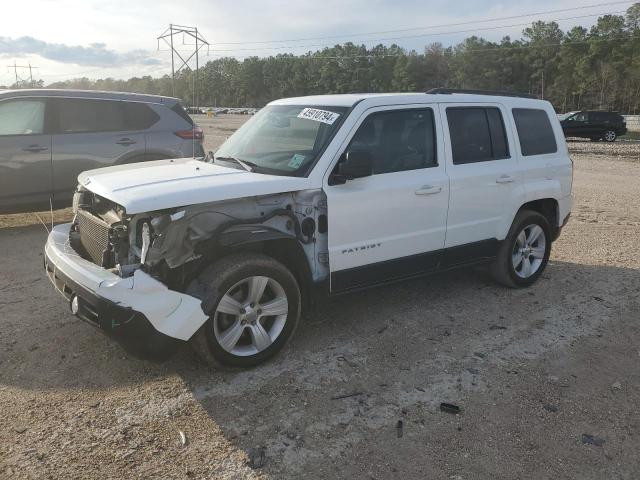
{"type": "Point", "coordinates": [149, 186]}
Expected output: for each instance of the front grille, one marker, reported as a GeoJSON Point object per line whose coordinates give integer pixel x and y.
{"type": "Point", "coordinates": [94, 235]}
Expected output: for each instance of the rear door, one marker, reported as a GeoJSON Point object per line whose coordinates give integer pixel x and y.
{"type": "Point", "coordinates": [541, 157]}
{"type": "Point", "coordinates": [484, 178]}
{"type": "Point", "coordinates": [90, 133]}
{"type": "Point", "coordinates": [25, 155]}
{"type": "Point", "coordinates": [391, 224]}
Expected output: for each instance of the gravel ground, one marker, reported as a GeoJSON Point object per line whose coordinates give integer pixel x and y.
{"type": "Point", "coordinates": [547, 378]}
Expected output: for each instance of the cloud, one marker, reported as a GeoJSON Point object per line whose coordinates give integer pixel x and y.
{"type": "Point", "coordinates": [96, 54]}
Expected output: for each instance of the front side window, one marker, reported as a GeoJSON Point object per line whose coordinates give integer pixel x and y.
{"type": "Point", "coordinates": [22, 117]}
{"type": "Point", "coordinates": [534, 131]}
{"type": "Point", "coordinates": [282, 139]}
{"type": "Point", "coordinates": [477, 134]}
{"type": "Point", "coordinates": [77, 115]}
{"type": "Point", "coordinates": [398, 140]}
{"type": "Point", "coordinates": [580, 117]}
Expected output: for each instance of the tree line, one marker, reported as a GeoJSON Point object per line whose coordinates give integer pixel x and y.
{"type": "Point", "coordinates": [581, 68]}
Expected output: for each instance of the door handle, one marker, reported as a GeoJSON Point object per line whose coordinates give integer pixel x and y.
{"type": "Point", "coordinates": [34, 148]}
{"type": "Point", "coordinates": [126, 141]}
{"type": "Point", "coordinates": [505, 179]}
{"type": "Point", "coordinates": [429, 190]}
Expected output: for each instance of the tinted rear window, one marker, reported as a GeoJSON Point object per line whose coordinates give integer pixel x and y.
{"type": "Point", "coordinates": [534, 131]}
{"type": "Point", "coordinates": [139, 116]}
{"type": "Point", "coordinates": [76, 115]}
{"type": "Point", "coordinates": [179, 109]}
{"type": "Point", "coordinates": [477, 134]}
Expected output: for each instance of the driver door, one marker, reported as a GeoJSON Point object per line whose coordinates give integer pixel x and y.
{"type": "Point", "coordinates": [578, 125]}
{"type": "Point", "coordinates": [391, 224]}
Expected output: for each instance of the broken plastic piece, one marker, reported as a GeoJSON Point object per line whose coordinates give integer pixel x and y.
{"type": "Point", "coordinates": [449, 408]}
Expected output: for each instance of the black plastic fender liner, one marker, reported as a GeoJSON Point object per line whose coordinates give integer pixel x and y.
{"type": "Point", "coordinates": [248, 234]}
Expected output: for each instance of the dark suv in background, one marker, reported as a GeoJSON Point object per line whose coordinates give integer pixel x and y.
{"type": "Point", "coordinates": [47, 137]}
{"type": "Point", "coordinates": [593, 124]}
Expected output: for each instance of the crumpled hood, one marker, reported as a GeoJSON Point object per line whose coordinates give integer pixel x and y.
{"type": "Point", "coordinates": [149, 186]}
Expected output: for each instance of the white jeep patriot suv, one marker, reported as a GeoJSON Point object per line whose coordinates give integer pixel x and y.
{"type": "Point", "coordinates": [326, 193]}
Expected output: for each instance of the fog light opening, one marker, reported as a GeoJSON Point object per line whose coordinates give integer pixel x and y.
{"type": "Point", "coordinates": [74, 305]}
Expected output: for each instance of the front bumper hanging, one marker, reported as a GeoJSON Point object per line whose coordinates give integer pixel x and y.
{"type": "Point", "coordinates": [141, 311]}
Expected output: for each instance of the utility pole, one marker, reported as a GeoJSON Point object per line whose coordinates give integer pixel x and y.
{"type": "Point", "coordinates": [200, 42]}
{"type": "Point", "coordinates": [15, 67]}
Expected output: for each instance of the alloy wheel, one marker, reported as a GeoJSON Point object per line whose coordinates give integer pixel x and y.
{"type": "Point", "coordinates": [250, 316]}
{"type": "Point", "coordinates": [529, 251]}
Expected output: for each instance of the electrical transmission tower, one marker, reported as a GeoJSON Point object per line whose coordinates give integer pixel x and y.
{"type": "Point", "coordinates": [188, 33]}
{"type": "Point", "coordinates": [20, 80]}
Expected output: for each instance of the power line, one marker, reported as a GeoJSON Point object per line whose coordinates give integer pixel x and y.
{"type": "Point", "coordinates": [314, 56]}
{"type": "Point", "coordinates": [449, 32]}
{"type": "Point", "coordinates": [471, 22]}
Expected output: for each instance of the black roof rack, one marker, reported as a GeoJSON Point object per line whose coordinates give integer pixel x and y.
{"type": "Point", "coordinates": [448, 91]}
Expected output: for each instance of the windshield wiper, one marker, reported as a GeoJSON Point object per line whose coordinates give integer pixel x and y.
{"type": "Point", "coordinates": [248, 166]}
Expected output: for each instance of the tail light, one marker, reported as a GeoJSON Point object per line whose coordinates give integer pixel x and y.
{"type": "Point", "coordinates": [195, 133]}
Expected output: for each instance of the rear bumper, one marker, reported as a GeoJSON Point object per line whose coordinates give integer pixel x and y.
{"type": "Point", "coordinates": [139, 309]}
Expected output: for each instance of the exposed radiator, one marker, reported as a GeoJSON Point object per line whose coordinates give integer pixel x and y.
{"type": "Point", "coordinates": [94, 235]}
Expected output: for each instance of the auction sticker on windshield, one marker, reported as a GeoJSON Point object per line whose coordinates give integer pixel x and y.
{"type": "Point", "coordinates": [323, 116]}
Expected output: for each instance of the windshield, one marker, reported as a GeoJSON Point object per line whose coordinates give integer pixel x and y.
{"type": "Point", "coordinates": [282, 139]}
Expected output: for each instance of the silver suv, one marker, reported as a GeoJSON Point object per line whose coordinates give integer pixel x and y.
{"type": "Point", "coordinates": [47, 137]}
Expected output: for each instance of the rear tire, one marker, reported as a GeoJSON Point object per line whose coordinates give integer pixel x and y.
{"type": "Point", "coordinates": [610, 136]}
{"type": "Point", "coordinates": [253, 303]}
{"type": "Point", "coordinates": [523, 255]}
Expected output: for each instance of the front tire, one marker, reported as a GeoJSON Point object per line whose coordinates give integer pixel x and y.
{"type": "Point", "coordinates": [523, 255]}
{"type": "Point", "coordinates": [610, 136]}
{"type": "Point", "coordinates": [253, 303]}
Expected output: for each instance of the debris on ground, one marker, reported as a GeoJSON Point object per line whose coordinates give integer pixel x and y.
{"type": "Point", "coordinates": [257, 457]}
{"type": "Point", "coordinates": [616, 386]}
{"type": "Point", "coordinates": [592, 440]}
{"type": "Point", "coordinates": [346, 395]}
{"type": "Point", "coordinates": [399, 428]}
{"type": "Point", "coordinates": [550, 408]}
{"type": "Point", "coordinates": [183, 438]}
{"type": "Point", "coordinates": [449, 408]}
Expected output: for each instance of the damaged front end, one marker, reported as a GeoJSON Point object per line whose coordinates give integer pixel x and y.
{"type": "Point", "coordinates": [120, 270]}
{"type": "Point", "coordinates": [163, 241]}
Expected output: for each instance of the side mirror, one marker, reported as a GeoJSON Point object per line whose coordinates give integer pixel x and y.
{"type": "Point", "coordinates": [353, 164]}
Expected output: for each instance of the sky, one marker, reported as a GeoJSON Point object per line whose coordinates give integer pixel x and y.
{"type": "Point", "coordinates": [118, 38]}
